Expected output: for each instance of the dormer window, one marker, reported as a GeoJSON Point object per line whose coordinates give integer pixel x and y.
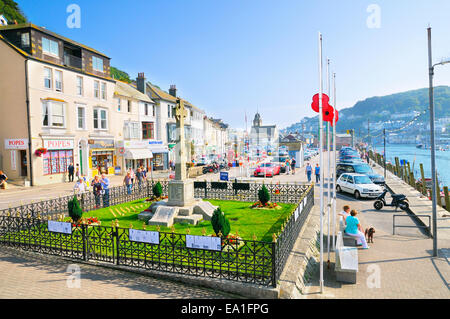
{"type": "Point", "coordinates": [50, 46]}
{"type": "Point", "coordinates": [97, 64]}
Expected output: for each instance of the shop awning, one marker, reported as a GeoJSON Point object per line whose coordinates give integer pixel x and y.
{"type": "Point", "coordinates": [139, 153]}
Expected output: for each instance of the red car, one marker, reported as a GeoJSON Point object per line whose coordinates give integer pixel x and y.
{"type": "Point", "coordinates": [267, 169]}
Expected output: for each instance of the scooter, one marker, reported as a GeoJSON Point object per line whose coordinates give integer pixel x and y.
{"type": "Point", "coordinates": [398, 201]}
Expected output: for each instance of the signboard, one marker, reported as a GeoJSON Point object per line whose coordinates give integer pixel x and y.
{"type": "Point", "coordinates": [224, 176]}
{"type": "Point", "coordinates": [101, 143]}
{"type": "Point", "coordinates": [58, 144]}
{"type": "Point", "coordinates": [204, 242]}
{"type": "Point", "coordinates": [144, 236]}
{"type": "Point", "coordinates": [59, 227]}
{"type": "Point", "coordinates": [16, 144]}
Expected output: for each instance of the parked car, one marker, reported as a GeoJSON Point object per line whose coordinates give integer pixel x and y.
{"type": "Point", "coordinates": [359, 185]}
{"type": "Point", "coordinates": [359, 168]}
{"type": "Point", "coordinates": [267, 169]}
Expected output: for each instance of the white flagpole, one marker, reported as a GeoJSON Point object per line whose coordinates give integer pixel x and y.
{"type": "Point", "coordinates": [329, 170]}
{"type": "Point", "coordinates": [334, 161]}
{"type": "Point", "coordinates": [321, 161]}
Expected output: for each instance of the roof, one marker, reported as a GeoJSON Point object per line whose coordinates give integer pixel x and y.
{"type": "Point", "coordinates": [44, 30]}
{"type": "Point", "coordinates": [160, 94]}
{"type": "Point", "coordinates": [124, 89]}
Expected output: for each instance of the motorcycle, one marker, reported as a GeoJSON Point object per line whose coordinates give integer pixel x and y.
{"type": "Point", "coordinates": [398, 201]}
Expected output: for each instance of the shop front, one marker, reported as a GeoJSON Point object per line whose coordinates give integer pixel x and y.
{"type": "Point", "coordinates": [56, 156]}
{"type": "Point", "coordinates": [160, 155]}
{"type": "Point", "coordinates": [16, 152]}
{"type": "Point", "coordinates": [102, 158]}
{"type": "Point", "coordinates": [136, 154]}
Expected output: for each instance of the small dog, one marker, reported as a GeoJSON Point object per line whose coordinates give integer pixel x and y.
{"type": "Point", "coordinates": [369, 234]}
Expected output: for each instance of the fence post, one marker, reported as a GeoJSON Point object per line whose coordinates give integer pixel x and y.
{"type": "Point", "coordinates": [84, 237]}
{"type": "Point", "coordinates": [397, 167]}
{"type": "Point", "coordinates": [447, 199]}
{"type": "Point", "coordinates": [424, 184]}
{"type": "Point", "coordinates": [116, 236]}
{"type": "Point", "coordinates": [274, 267]}
{"type": "Point", "coordinates": [438, 192]}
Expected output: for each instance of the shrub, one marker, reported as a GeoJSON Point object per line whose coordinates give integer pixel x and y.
{"type": "Point", "coordinates": [263, 195]}
{"type": "Point", "coordinates": [220, 223]}
{"type": "Point", "coordinates": [157, 189]}
{"type": "Point", "coordinates": [75, 211]}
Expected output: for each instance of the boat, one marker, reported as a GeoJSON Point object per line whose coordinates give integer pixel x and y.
{"type": "Point", "coordinates": [419, 145]}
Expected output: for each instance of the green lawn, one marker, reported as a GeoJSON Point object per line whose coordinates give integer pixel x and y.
{"type": "Point", "coordinates": [248, 222]}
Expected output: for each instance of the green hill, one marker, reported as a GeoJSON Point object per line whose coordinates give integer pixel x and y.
{"type": "Point", "coordinates": [382, 108]}
{"type": "Point", "coordinates": [11, 11]}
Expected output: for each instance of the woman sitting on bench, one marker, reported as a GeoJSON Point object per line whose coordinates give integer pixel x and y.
{"type": "Point", "coordinates": [354, 229]}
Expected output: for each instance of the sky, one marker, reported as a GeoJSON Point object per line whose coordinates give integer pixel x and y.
{"type": "Point", "coordinates": [236, 57]}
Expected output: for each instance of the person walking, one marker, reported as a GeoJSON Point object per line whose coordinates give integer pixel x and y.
{"type": "Point", "coordinates": [77, 172]}
{"type": "Point", "coordinates": [128, 182]}
{"type": "Point", "coordinates": [97, 189]}
{"type": "Point", "coordinates": [317, 173]}
{"type": "Point", "coordinates": [139, 177]}
{"type": "Point", "coordinates": [71, 170]}
{"type": "Point", "coordinates": [288, 166]}
{"type": "Point", "coordinates": [293, 162]}
{"type": "Point", "coordinates": [105, 189]}
{"type": "Point", "coordinates": [80, 186]}
{"type": "Point", "coordinates": [308, 172]}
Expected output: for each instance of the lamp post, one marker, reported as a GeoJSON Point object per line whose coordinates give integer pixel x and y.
{"type": "Point", "coordinates": [433, 151]}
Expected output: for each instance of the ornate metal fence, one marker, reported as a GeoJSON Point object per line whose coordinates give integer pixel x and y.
{"type": "Point", "coordinates": [238, 260]}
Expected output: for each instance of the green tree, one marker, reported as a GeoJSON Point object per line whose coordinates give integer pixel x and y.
{"type": "Point", "coordinates": [75, 211]}
{"type": "Point", "coordinates": [11, 11]}
{"type": "Point", "coordinates": [119, 75]}
{"type": "Point", "coordinates": [157, 189]}
{"type": "Point", "coordinates": [264, 195]}
{"type": "Point", "coordinates": [220, 223]}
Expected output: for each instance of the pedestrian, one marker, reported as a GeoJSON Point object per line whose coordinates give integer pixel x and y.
{"type": "Point", "coordinates": [317, 173]}
{"type": "Point", "coordinates": [80, 186]}
{"type": "Point", "coordinates": [354, 229]}
{"type": "Point", "coordinates": [71, 169]}
{"type": "Point", "coordinates": [3, 179]}
{"type": "Point", "coordinates": [128, 182]}
{"type": "Point", "coordinates": [293, 162]}
{"type": "Point", "coordinates": [132, 175]}
{"type": "Point", "coordinates": [97, 189]}
{"type": "Point", "coordinates": [105, 190]}
{"type": "Point", "coordinates": [308, 172]}
{"type": "Point", "coordinates": [77, 172]}
{"type": "Point", "coordinates": [139, 177]}
{"type": "Point", "coordinates": [288, 166]}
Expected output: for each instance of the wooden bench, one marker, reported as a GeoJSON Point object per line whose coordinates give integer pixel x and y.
{"type": "Point", "coordinates": [346, 265]}
{"type": "Point", "coordinates": [348, 240]}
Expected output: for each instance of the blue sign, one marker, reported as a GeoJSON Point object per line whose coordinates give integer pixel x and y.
{"type": "Point", "coordinates": [224, 176]}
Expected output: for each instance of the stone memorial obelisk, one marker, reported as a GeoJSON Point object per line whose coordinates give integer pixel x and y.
{"type": "Point", "coordinates": [181, 189]}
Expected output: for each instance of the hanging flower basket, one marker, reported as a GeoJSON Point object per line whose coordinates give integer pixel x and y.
{"type": "Point", "coordinates": [40, 151]}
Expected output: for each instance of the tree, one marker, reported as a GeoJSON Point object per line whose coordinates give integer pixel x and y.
{"type": "Point", "coordinates": [220, 223]}
{"type": "Point", "coordinates": [75, 211]}
{"type": "Point", "coordinates": [157, 189]}
{"type": "Point", "coordinates": [119, 75]}
{"type": "Point", "coordinates": [10, 9]}
{"type": "Point", "coordinates": [263, 195]}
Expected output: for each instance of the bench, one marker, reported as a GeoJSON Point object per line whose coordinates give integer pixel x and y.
{"type": "Point", "coordinates": [346, 265]}
{"type": "Point", "coordinates": [348, 240]}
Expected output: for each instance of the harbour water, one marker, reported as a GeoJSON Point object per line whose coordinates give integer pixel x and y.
{"type": "Point", "coordinates": [415, 156]}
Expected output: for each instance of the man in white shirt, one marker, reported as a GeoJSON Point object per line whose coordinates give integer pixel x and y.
{"type": "Point", "coordinates": [80, 186]}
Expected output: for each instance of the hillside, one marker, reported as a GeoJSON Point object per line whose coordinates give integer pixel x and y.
{"type": "Point", "coordinates": [11, 11]}
{"type": "Point", "coordinates": [383, 108]}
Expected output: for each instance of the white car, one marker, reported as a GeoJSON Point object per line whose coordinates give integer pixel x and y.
{"type": "Point", "coordinates": [359, 185]}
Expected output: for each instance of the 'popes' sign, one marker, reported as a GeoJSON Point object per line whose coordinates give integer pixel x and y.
{"type": "Point", "coordinates": [58, 144]}
{"type": "Point", "coordinates": [16, 144]}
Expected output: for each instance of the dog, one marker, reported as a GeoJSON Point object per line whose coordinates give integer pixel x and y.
{"type": "Point", "coordinates": [369, 234]}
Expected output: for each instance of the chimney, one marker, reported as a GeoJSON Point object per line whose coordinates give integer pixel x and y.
{"type": "Point", "coordinates": [140, 83]}
{"type": "Point", "coordinates": [173, 90]}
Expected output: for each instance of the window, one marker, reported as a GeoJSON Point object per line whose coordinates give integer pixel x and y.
{"type": "Point", "coordinates": [79, 85]}
{"type": "Point", "coordinates": [131, 130]}
{"type": "Point", "coordinates": [48, 78]}
{"type": "Point", "coordinates": [119, 106]}
{"type": "Point", "coordinates": [129, 106]}
{"type": "Point", "coordinates": [81, 117]}
{"type": "Point", "coordinates": [103, 90]}
{"type": "Point", "coordinates": [58, 81]}
{"type": "Point", "coordinates": [96, 89]}
{"type": "Point", "coordinates": [25, 40]}
{"type": "Point", "coordinates": [154, 111]}
{"type": "Point", "coordinates": [53, 114]}
{"type": "Point", "coordinates": [100, 119]}
{"type": "Point", "coordinates": [147, 130]}
{"type": "Point", "coordinates": [56, 162]}
{"type": "Point", "coordinates": [97, 64]}
{"type": "Point", "coordinates": [146, 109]}
{"type": "Point", "coordinates": [50, 46]}
{"type": "Point", "coordinates": [168, 110]}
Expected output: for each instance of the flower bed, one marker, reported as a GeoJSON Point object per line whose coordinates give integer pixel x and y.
{"type": "Point", "coordinates": [268, 205]}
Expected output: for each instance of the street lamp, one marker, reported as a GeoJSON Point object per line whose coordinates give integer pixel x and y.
{"type": "Point", "coordinates": [433, 151]}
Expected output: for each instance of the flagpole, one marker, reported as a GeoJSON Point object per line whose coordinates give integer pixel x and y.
{"type": "Point", "coordinates": [334, 161]}
{"type": "Point", "coordinates": [328, 171]}
{"type": "Point", "coordinates": [321, 161]}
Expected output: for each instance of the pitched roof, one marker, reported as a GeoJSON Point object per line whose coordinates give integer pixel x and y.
{"type": "Point", "coordinates": [44, 30]}
{"type": "Point", "coordinates": [160, 94]}
{"type": "Point", "coordinates": [124, 89]}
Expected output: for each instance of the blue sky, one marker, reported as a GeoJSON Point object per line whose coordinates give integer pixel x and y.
{"type": "Point", "coordinates": [235, 55]}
